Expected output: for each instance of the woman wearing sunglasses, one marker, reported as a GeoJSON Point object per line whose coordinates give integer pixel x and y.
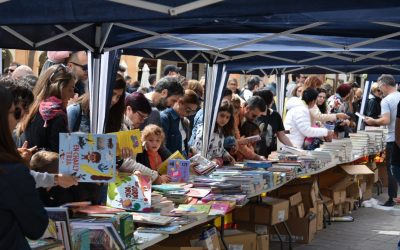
{"type": "Point", "coordinates": [373, 108]}
{"type": "Point", "coordinates": [21, 211]}
{"type": "Point", "coordinates": [175, 127]}
{"type": "Point", "coordinates": [47, 116]}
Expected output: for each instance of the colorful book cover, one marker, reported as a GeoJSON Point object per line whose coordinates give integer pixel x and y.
{"type": "Point", "coordinates": [162, 169]}
{"type": "Point", "coordinates": [205, 208]}
{"type": "Point", "coordinates": [131, 139]}
{"type": "Point", "coordinates": [198, 192]}
{"type": "Point", "coordinates": [221, 207]}
{"type": "Point", "coordinates": [130, 192]}
{"type": "Point", "coordinates": [90, 157]}
{"type": "Point", "coordinates": [179, 170]}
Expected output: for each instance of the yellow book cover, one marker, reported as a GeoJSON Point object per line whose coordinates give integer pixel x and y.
{"type": "Point", "coordinates": [162, 169]}
{"type": "Point", "coordinates": [129, 139]}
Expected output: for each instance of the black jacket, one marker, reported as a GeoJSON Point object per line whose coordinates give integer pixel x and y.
{"type": "Point", "coordinates": [373, 108]}
{"type": "Point", "coordinates": [143, 158]}
{"type": "Point", "coordinates": [21, 211]}
{"type": "Point", "coordinates": [46, 138]}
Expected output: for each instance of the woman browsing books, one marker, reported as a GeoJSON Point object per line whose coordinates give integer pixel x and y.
{"type": "Point", "coordinates": [21, 211]}
{"type": "Point", "coordinates": [224, 126]}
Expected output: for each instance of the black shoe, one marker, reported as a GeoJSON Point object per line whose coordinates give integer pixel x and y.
{"type": "Point", "coordinates": [389, 203]}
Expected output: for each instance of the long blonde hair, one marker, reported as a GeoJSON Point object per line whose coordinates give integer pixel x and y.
{"type": "Point", "coordinates": [51, 83]}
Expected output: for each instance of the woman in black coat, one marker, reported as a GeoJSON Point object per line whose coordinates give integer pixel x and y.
{"type": "Point", "coordinates": [21, 211]}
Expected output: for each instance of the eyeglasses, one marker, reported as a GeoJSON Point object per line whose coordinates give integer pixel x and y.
{"type": "Point", "coordinates": [58, 69]}
{"type": "Point", "coordinates": [83, 67]}
{"type": "Point", "coordinates": [190, 111]}
{"type": "Point", "coordinates": [17, 112]}
{"type": "Point", "coordinates": [142, 115]}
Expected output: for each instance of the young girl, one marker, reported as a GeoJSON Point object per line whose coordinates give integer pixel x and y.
{"type": "Point", "coordinates": [248, 129]}
{"type": "Point", "coordinates": [224, 126]}
{"type": "Point", "coordinates": [153, 154]}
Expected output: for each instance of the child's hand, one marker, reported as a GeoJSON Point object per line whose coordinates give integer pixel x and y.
{"type": "Point", "coordinates": [163, 179]}
{"type": "Point", "coordinates": [137, 173]}
{"type": "Point", "coordinates": [25, 152]}
{"type": "Point", "coordinates": [126, 153]}
{"type": "Point", "coordinates": [65, 181]}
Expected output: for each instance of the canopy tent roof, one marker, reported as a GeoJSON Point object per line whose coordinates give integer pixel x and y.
{"type": "Point", "coordinates": [99, 25]}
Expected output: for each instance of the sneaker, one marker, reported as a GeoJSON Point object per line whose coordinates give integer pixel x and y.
{"type": "Point", "coordinates": [389, 203]}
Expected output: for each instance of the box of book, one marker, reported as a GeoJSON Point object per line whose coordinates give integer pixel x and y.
{"type": "Point", "coordinates": [130, 192]}
{"type": "Point", "coordinates": [178, 170]}
{"type": "Point", "coordinates": [90, 157]}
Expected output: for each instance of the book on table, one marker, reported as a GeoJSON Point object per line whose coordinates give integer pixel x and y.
{"type": "Point", "coordinates": [148, 218]}
{"type": "Point", "coordinates": [58, 227]}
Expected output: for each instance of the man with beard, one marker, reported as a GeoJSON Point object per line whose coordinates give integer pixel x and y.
{"type": "Point", "coordinates": [166, 93]}
{"type": "Point", "coordinates": [78, 64]}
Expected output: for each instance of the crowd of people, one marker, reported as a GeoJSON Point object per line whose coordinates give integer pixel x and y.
{"type": "Point", "coordinates": [35, 110]}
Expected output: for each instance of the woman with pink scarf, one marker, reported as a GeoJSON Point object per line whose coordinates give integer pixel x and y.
{"type": "Point", "coordinates": [47, 116]}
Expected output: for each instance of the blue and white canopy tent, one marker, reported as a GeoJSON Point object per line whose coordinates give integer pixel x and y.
{"type": "Point", "coordinates": [325, 34]}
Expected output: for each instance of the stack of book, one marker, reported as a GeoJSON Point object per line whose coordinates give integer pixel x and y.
{"type": "Point", "coordinates": [150, 218]}
{"type": "Point", "coordinates": [239, 199]}
{"type": "Point", "coordinates": [161, 204]}
{"type": "Point", "coordinates": [361, 144]}
{"type": "Point", "coordinates": [173, 192]}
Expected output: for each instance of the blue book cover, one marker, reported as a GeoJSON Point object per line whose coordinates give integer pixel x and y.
{"type": "Point", "coordinates": [178, 170]}
{"type": "Point", "coordinates": [90, 157]}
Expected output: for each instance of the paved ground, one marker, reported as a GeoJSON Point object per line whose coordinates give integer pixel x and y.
{"type": "Point", "coordinates": [372, 229]}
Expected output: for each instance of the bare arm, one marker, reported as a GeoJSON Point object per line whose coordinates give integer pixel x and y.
{"type": "Point", "coordinates": [384, 120]}
{"type": "Point", "coordinates": [284, 139]}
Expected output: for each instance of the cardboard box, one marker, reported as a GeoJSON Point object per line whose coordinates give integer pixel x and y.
{"type": "Point", "coordinates": [337, 197]}
{"type": "Point", "coordinates": [320, 215]}
{"type": "Point", "coordinates": [338, 210]}
{"type": "Point", "coordinates": [238, 239]}
{"type": "Point", "coordinates": [300, 210]}
{"type": "Point", "coordinates": [279, 210]}
{"type": "Point", "coordinates": [263, 242]}
{"type": "Point", "coordinates": [294, 199]}
{"type": "Point", "coordinates": [305, 187]}
{"type": "Point", "coordinates": [302, 229]}
{"type": "Point", "coordinates": [209, 240]}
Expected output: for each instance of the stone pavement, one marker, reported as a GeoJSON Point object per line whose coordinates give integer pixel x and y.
{"type": "Point", "coordinates": [372, 229]}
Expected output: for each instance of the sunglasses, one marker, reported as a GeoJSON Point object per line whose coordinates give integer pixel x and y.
{"type": "Point", "coordinates": [83, 67]}
{"type": "Point", "coordinates": [17, 113]}
{"type": "Point", "coordinates": [61, 67]}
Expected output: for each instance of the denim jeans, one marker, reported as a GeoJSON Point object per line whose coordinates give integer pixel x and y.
{"type": "Point", "coordinates": [396, 172]}
{"type": "Point", "coordinates": [392, 183]}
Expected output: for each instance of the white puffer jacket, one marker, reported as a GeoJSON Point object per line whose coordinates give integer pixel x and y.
{"type": "Point", "coordinates": [298, 122]}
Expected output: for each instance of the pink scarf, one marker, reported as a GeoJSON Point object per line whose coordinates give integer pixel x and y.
{"type": "Point", "coordinates": [50, 108]}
